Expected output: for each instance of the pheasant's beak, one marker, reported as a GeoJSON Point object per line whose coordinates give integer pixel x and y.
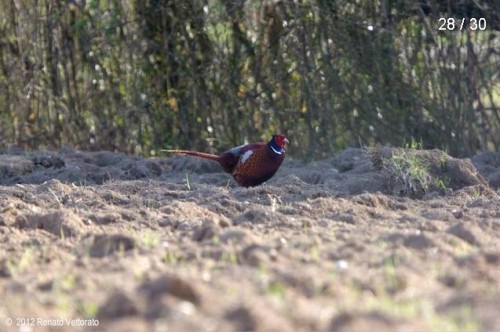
{"type": "Point", "coordinates": [286, 141]}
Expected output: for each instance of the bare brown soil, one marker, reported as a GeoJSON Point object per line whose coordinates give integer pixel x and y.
{"type": "Point", "coordinates": [172, 244]}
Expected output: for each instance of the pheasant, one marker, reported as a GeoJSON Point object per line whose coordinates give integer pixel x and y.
{"type": "Point", "coordinates": [249, 164]}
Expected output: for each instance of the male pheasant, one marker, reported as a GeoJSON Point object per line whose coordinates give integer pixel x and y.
{"type": "Point", "coordinates": [249, 164]}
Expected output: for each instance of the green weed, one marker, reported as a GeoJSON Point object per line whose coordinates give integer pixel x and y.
{"type": "Point", "coordinates": [409, 174]}
{"type": "Point", "coordinates": [187, 183]}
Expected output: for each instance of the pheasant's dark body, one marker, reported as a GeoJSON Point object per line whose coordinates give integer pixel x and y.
{"type": "Point", "coordinates": [250, 164]}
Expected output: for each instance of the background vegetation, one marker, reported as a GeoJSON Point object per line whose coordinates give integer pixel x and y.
{"type": "Point", "coordinates": [137, 76]}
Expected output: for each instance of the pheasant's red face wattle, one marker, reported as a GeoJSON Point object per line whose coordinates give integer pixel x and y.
{"type": "Point", "coordinates": [280, 140]}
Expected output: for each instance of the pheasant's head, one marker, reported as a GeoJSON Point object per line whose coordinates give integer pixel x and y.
{"type": "Point", "coordinates": [280, 140]}
{"type": "Point", "coordinates": [278, 143]}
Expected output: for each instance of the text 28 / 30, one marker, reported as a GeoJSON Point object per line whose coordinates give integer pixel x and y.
{"type": "Point", "coordinates": [451, 24]}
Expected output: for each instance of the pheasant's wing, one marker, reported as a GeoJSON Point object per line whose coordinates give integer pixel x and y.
{"type": "Point", "coordinates": [231, 158]}
{"type": "Point", "coordinates": [242, 149]}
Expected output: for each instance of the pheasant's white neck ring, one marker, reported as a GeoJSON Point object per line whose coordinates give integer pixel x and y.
{"type": "Point", "coordinates": [280, 151]}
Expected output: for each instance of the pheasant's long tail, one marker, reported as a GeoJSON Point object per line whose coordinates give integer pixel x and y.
{"type": "Point", "coordinates": [195, 154]}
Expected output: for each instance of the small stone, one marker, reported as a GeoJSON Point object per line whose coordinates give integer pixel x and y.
{"type": "Point", "coordinates": [281, 243]}
{"type": "Point", "coordinates": [341, 265]}
{"type": "Point", "coordinates": [224, 223]}
{"type": "Point", "coordinates": [186, 308]}
{"type": "Point", "coordinates": [457, 213]}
